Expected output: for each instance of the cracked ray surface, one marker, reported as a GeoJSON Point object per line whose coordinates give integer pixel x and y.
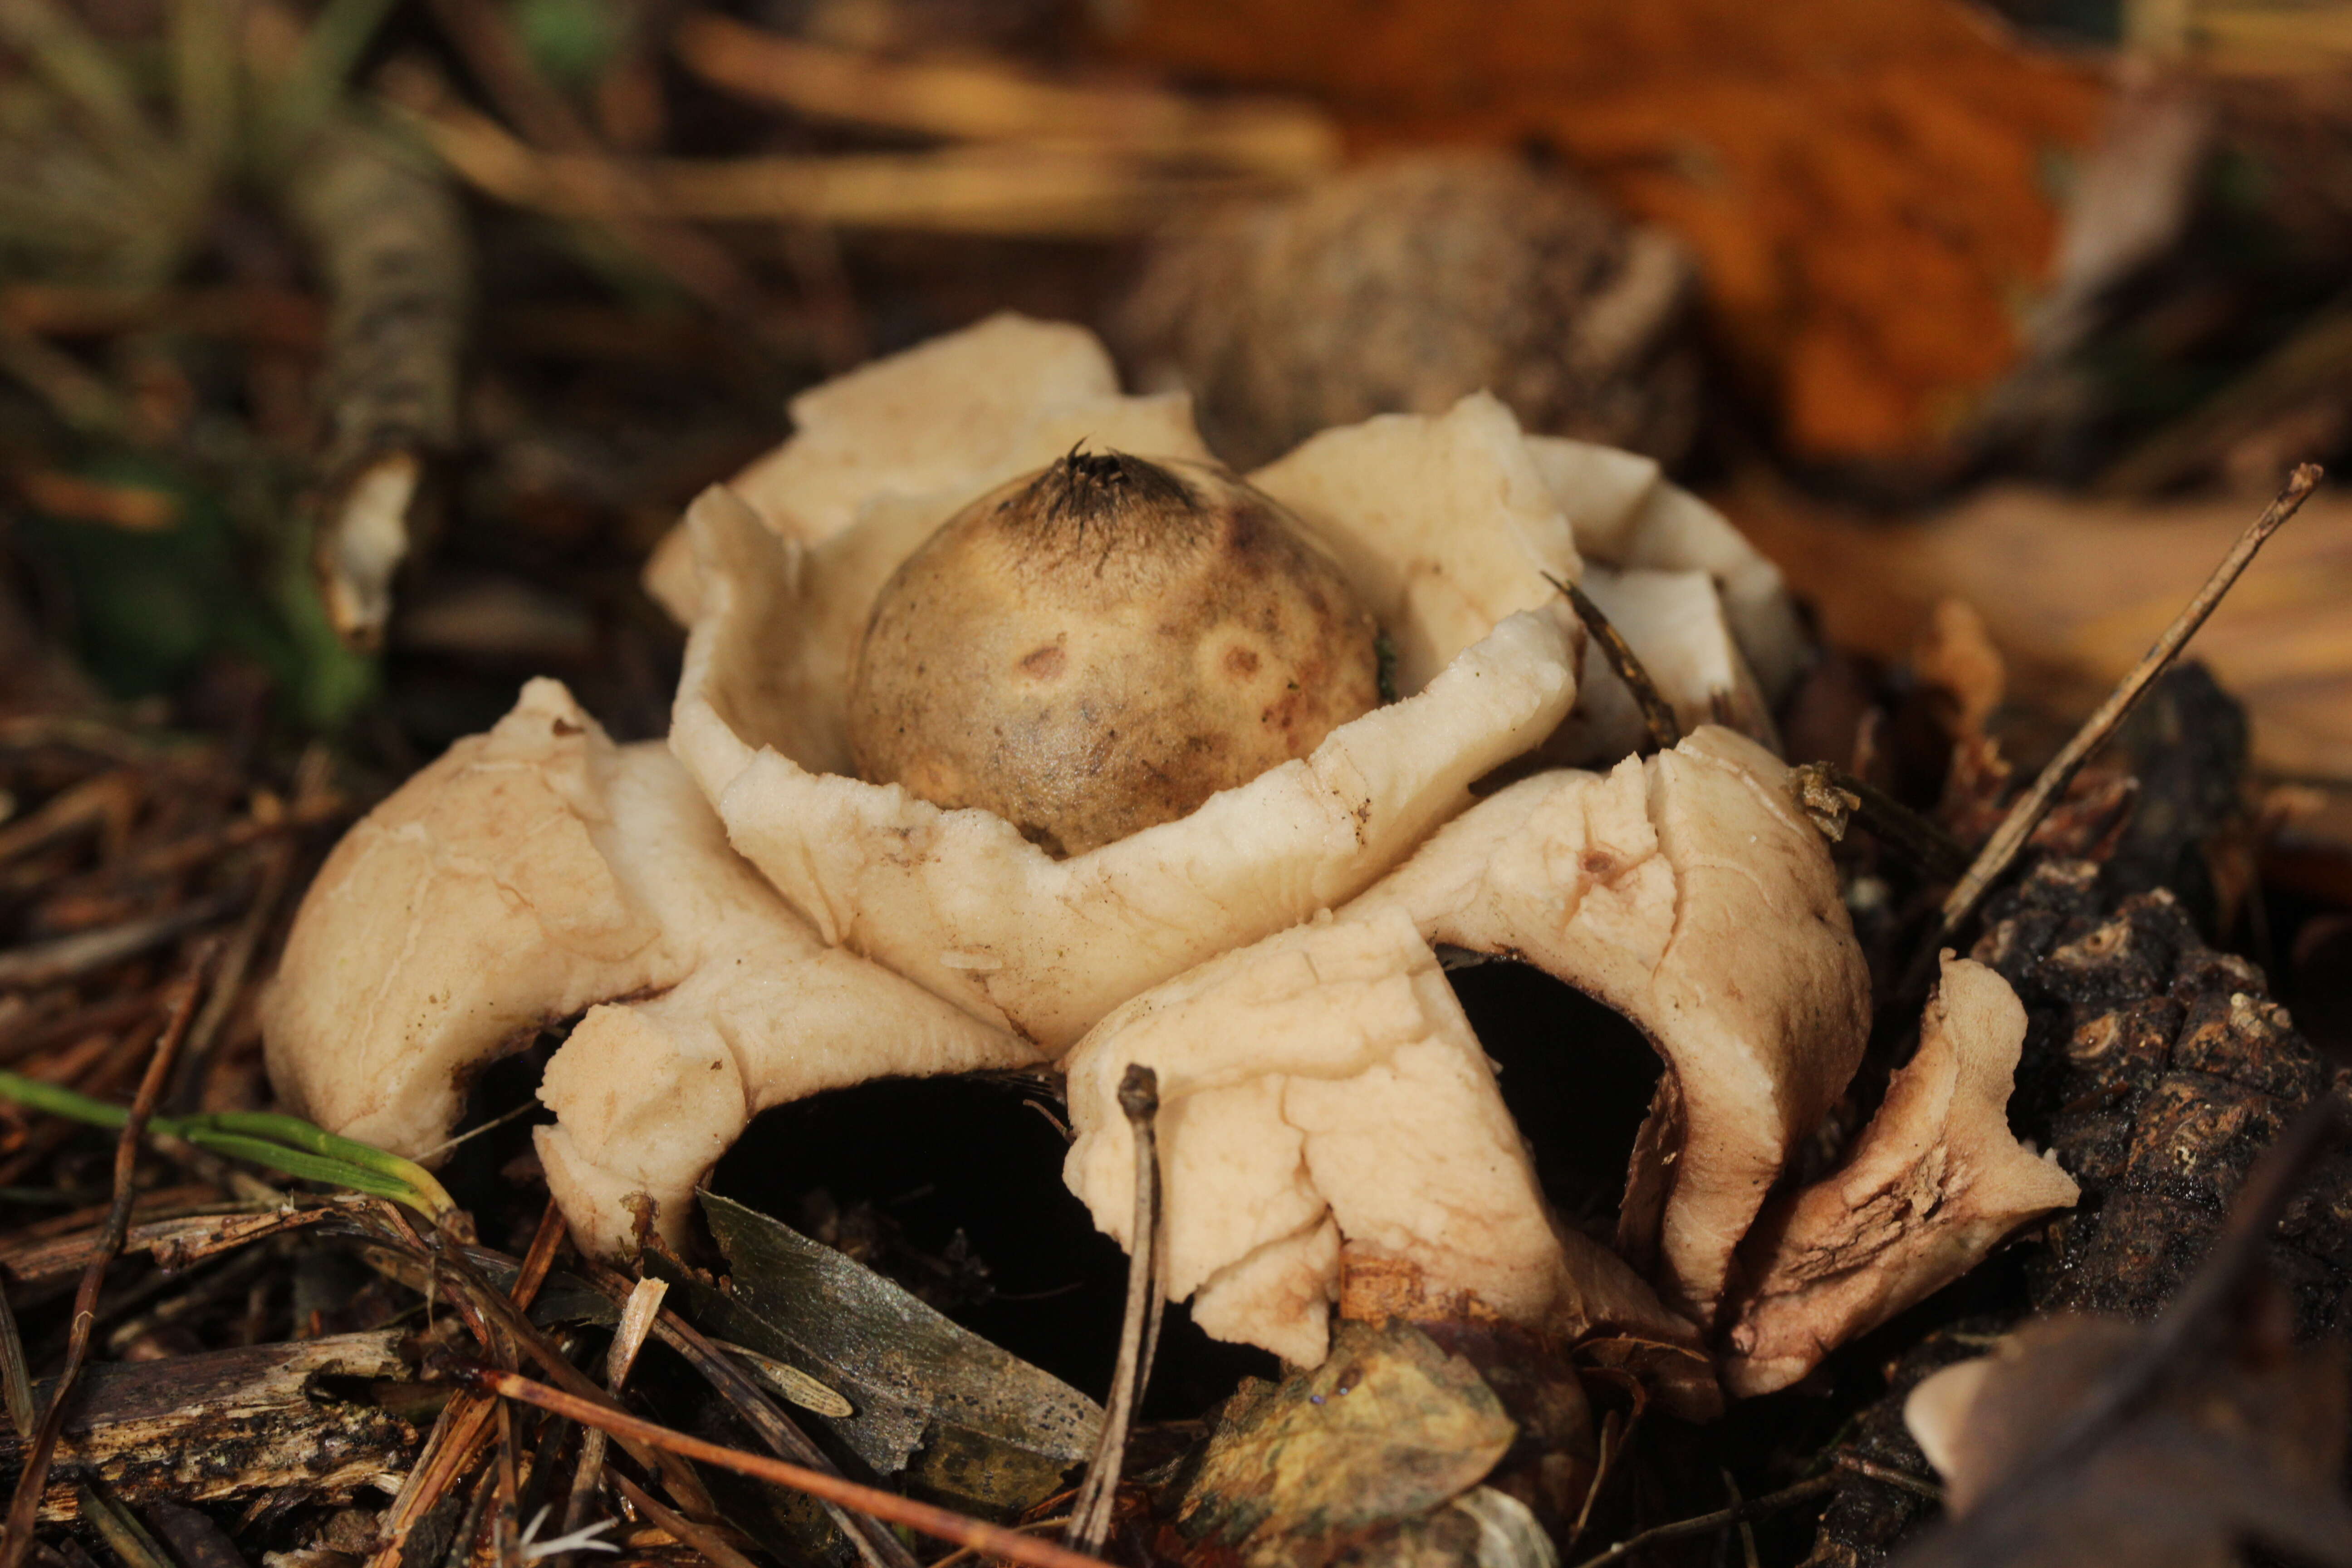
{"type": "Point", "coordinates": [1683, 891]}
{"type": "Point", "coordinates": [539, 873]}
{"type": "Point", "coordinates": [1324, 1104]}
{"type": "Point", "coordinates": [1932, 1185]}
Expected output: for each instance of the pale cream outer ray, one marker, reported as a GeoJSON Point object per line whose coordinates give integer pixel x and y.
{"type": "Point", "coordinates": [1684, 891]}
{"type": "Point", "coordinates": [538, 870]}
{"type": "Point", "coordinates": [1320, 1095]}
{"type": "Point", "coordinates": [1935, 1183]}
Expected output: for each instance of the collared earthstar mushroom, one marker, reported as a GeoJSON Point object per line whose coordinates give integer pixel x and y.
{"type": "Point", "coordinates": [740, 920]}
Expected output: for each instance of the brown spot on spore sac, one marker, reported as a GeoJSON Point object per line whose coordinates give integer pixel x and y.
{"type": "Point", "coordinates": [1240, 662]}
{"type": "Point", "coordinates": [1599, 864]}
{"type": "Point", "coordinates": [1045, 663]}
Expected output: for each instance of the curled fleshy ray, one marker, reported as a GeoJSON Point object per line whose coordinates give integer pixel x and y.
{"type": "Point", "coordinates": [1325, 1108]}
{"type": "Point", "coordinates": [958, 900]}
{"type": "Point", "coordinates": [1627, 516]}
{"type": "Point", "coordinates": [1684, 891]}
{"type": "Point", "coordinates": [539, 872]}
{"type": "Point", "coordinates": [1935, 1183]}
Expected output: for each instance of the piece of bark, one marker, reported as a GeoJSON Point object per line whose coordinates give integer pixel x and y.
{"type": "Point", "coordinates": [198, 1428]}
{"type": "Point", "coordinates": [37, 1266]}
{"type": "Point", "coordinates": [2159, 1068]}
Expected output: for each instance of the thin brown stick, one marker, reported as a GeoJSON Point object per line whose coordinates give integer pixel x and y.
{"type": "Point", "coordinates": [967, 1553]}
{"type": "Point", "coordinates": [1615, 1432]}
{"type": "Point", "coordinates": [505, 1530]}
{"type": "Point", "coordinates": [1887, 1476]}
{"type": "Point", "coordinates": [464, 1427]}
{"type": "Point", "coordinates": [938, 1522]}
{"type": "Point", "coordinates": [1658, 713]}
{"type": "Point", "coordinates": [500, 1318]}
{"type": "Point", "coordinates": [878, 1547]}
{"type": "Point", "coordinates": [1764, 1507]}
{"type": "Point", "coordinates": [964, 99]}
{"type": "Point", "coordinates": [119, 1527]}
{"type": "Point", "coordinates": [450, 1452]}
{"type": "Point", "coordinates": [1748, 1554]}
{"type": "Point", "coordinates": [709, 1543]}
{"type": "Point", "coordinates": [15, 1377]}
{"type": "Point", "coordinates": [2010, 837]}
{"type": "Point", "coordinates": [1139, 1334]}
{"type": "Point", "coordinates": [25, 1507]}
{"type": "Point", "coordinates": [1013, 192]}
{"type": "Point", "coordinates": [1831, 798]}
{"type": "Point", "coordinates": [47, 962]}
{"type": "Point", "coordinates": [544, 1243]}
{"type": "Point", "coordinates": [228, 986]}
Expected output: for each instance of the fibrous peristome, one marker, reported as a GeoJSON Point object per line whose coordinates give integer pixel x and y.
{"type": "Point", "coordinates": [1933, 1184]}
{"type": "Point", "coordinates": [538, 872]}
{"type": "Point", "coordinates": [1684, 891]}
{"type": "Point", "coordinates": [1324, 1103]}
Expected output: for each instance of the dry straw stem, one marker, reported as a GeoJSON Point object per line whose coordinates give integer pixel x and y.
{"type": "Point", "coordinates": [966, 100]}
{"type": "Point", "coordinates": [498, 59]}
{"type": "Point", "coordinates": [1012, 191]}
{"type": "Point", "coordinates": [25, 1507]}
{"type": "Point", "coordinates": [2023, 817]}
{"type": "Point", "coordinates": [1139, 1334]}
{"type": "Point", "coordinates": [464, 1427]}
{"type": "Point", "coordinates": [637, 1315]}
{"type": "Point", "coordinates": [938, 1522]}
{"type": "Point", "coordinates": [47, 963]}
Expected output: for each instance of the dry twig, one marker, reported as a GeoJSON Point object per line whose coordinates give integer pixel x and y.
{"type": "Point", "coordinates": [25, 1507]}
{"type": "Point", "coordinates": [878, 1547]}
{"type": "Point", "coordinates": [708, 1541]}
{"type": "Point", "coordinates": [969, 101]}
{"type": "Point", "coordinates": [1721, 1519]}
{"type": "Point", "coordinates": [1658, 713]}
{"type": "Point", "coordinates": [46, 963]}
{"type": "Point", "coordinates": [2010, 837]}
{"type": "Point", "coordinates": [938, 1522]}
{"type": "Point", "coordinates": [1139, 1334]}
{"type": "Point", "coordinates": [637, 1315]}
